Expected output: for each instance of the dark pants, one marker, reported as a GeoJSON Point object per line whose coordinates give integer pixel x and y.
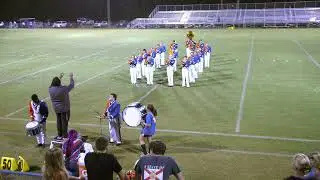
{"type": "Point", "coordinates": [62, 123]}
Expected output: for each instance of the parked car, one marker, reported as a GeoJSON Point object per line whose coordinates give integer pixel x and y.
{"type": "Point", "coordinates": [100, 24]}
{"type": "Point", "coordinates": [60, 24]}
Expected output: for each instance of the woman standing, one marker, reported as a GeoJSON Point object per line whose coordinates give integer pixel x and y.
{"type": "Point", "coordinates": [59, 96]}
{"type": "Point", "coordinates": [149, 128]}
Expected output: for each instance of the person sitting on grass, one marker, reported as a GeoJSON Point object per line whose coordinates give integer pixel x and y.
{"type": "Point", "coordinates": [301, 167]}
{"type": "Point", "coordinates": [54, 168]}
{"type": "Point", "coordinates": [101, 164]}
{"type": "Point", "coordinates": [156, 165]}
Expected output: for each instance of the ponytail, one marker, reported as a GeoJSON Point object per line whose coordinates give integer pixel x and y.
{"type": "Point", "coordinates": [151, 108]}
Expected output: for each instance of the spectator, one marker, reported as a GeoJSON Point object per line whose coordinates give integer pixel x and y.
{"type": "Point", "coordinates": [61, 103]}
{"type": "Point", "coordinates": [156, 165]}
{"type": "Point", "coordinates": [72, 149]}
{"type": "Point", "coordinates": [54, 168]}
{"type": "Point", "coordinates": [301, 166]}
{"type": "Point", "coordinates": [315, 166]}
{"type": "Point", "coordinates": [100, 164]}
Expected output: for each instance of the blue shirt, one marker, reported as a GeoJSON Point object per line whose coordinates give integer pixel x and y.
{"type": "Point", "coordinates": [145, 55]}
{"type": "Point", "coordinates": [140, 59]}
{"type": "Point", "coordinates": [171, 62]}
{"type": "Point", "coordinates": [149, 130]}
{"type": "Point", "coordinates": [209, 49]}
{"type": "Point", "coordinates": [164, 49]}
{"type": "Point", "coordinates": [186, 64]}
{"type": "Point", "coordinates": [133, 62]}
{"type": "Point", "coordinates": [158, 51]}
{"type": "Point", "coordinates": [113, 110]}
{"type": "Point", "coordinates": [153, 54]}
{"type": "Point", "coordinates": [150, 61]}
{"type": "Point", "coordinates": [175, 55]}
{"type": "Point", "coordinates": [196, 58]}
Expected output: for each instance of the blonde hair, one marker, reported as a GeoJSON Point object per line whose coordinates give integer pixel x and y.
{"type": "Point", "coordinates": [315, 159]}
{"type": "Point", "coordinates": [54, 165]}
{"type": "Point", "coordinates": [301, 163]}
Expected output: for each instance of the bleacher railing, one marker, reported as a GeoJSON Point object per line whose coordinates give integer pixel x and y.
{"type": "Point", "coordinates": [271, 14]}
{"type": "Point", "coordinates": [269, 5]}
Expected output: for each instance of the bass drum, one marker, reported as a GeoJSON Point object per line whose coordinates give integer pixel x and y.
{"type": "Point", "coordinates": [134, 113]}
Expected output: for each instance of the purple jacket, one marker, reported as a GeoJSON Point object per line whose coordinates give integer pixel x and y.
{"type": "Point", "coordinates": [60, 97]}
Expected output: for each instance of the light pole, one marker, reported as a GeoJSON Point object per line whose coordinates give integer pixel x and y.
{"type": "Point", "coordinates": [108, 12]}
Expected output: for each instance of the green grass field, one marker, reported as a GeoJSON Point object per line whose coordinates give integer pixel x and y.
{"type": "Point", "coordinates": [256, 106]}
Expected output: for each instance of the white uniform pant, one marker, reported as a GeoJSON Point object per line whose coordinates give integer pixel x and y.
{"type": "Point", "coordinates": [207, 60]}
{"type": "Point", "coordinates": [170, 75]}
{"type": "Point", "coordinates": [188, 52]}
{"type": "Point", "coordinates": [185, 77]}
{"type": "Point", "coordinates": [41, 137]}
{"type": "Point", "coordinates": [114, 130]}
{"type": "Point", "coordinates": [139, 70]}
{"type": "Point", "coordinates": [201, 65]}
{"type": "Point", "coordinates": [143, 68]}
{"type": "Point", "coordinates": [175, 66]}
{"type": "Point", "coordinates": [196, 70]}
{"type": "Point", "coordinates": [162, 59]}
{"type": "Point", "coordinates": [150, 75]}
{"type": "Point", "coordinates": [158, 59]}
{"type": "Point", "coordinates": [192, 74]}
{"type": "Point", "coordinates": [133, 74]}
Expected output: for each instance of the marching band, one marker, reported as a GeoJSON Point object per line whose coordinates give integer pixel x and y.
{"type": "Point", "coordinates": [197, 58]}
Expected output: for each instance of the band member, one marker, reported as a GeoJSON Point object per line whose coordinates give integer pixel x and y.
{"type": "Point", "coordinates": [112, 112]}
{"type": "Point", "coordinates": [192, 69]}
{"type": "Point", "coordinates": [38, 111]}
{"type": "Point", "coordinates": [150, 67]}
{"type": "Point", "coordinates": [158, 56]}
{"type": "Point", "coordinates": [190, 44]}
{"type": "Point", "coordinates": [170, 63]}
{"type": "Point", "coordinates": [143, 64]}
{"type": "Point", "coordinates": [175, 56]}
{"type": "Point", "coordinates": [133, 70]}
{"type": "Point", "coordinates": [185, 72]}
{"type": "Point", "coordinates": [153, 55]}
{"type": "Point", "coordinates": [197, 64]}
{"type": "Point", "coordinates": [149, 128]}
{"type": "Point", "coordinates": [207, 55]}
{"type": "Point", "coordinates": [201, 54]}
{"type": "Point", "coordinates": [163, 52]}
{"type": "Point", "coordinates": [139, 65]}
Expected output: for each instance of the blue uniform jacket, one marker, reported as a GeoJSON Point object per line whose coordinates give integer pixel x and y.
{"type": "Point", "coordinates": [113, 110]}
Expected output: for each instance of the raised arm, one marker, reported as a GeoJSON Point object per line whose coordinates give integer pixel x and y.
{"type": "Point", "coordinates": [71, 85]}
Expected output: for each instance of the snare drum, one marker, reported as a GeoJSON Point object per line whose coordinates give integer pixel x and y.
{"type": "Point", "coordinates": [33, 128]}
{"type": "Point", "coordinates": [134, 113]}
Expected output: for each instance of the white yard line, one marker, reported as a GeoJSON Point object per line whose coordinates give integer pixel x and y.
{"type": "Point", "coordinates": [51, 67]}
{"type": "Point", "coordinates": [244, 88]}
{"type": "Point", "coordinates": [80, 83]}
{"type": "Point", "coordinates": [209, 149]}
{"type": "Point", "coordinates": [310, 58]}
{"type": "Point", "coordinates": [192, 132]}
{"type": "Point", "coordinates": [22, 60]}
{"type": "Point", "coordinates": [233, 151]}
{"type": "Point", "coordinates": [148, 93]}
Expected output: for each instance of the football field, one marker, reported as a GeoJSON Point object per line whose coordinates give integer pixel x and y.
{"type": "Point", "coordinates": [256, 106]}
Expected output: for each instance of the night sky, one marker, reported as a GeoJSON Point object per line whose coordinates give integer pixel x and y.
{"type": "Point", "coordinates": [95, 9]}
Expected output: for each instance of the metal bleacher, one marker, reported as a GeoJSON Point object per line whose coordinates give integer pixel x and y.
{"type": "Point", "coordinates": [249, 14]}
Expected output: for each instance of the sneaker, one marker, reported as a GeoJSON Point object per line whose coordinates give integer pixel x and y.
{"type": "Point", "coordinates": [118, 143]}
{"type": "Point", "coordinates": [39, 145]}
{"type": "Point", "coordinates": [58, 138]}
